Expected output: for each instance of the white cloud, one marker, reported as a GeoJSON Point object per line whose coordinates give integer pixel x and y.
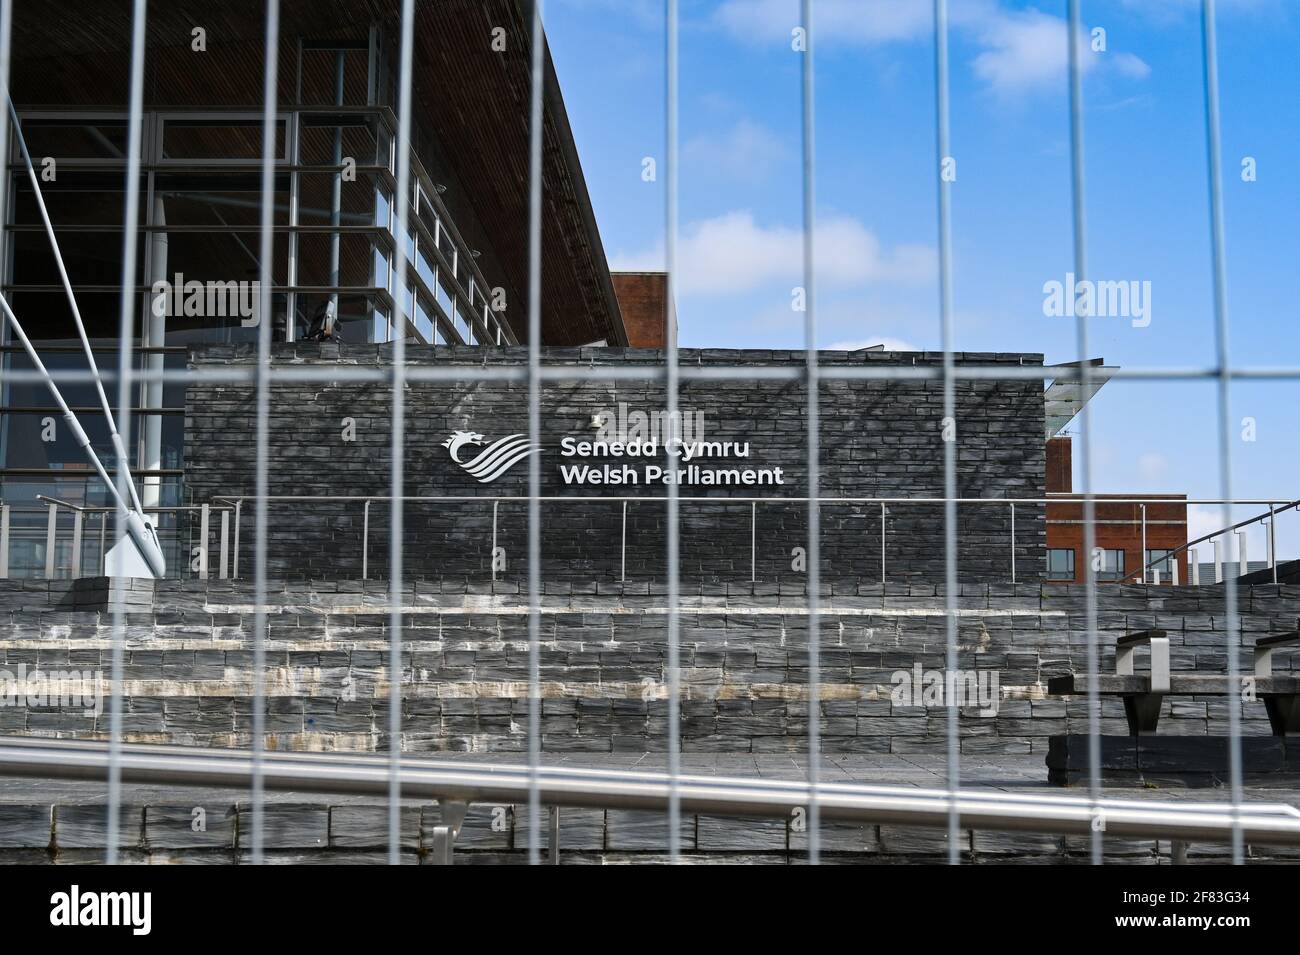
{"type": "Point", "coordinates": [1020, 49]}
{"type": "Point", "coordinates": [841, 20]}
{"type": "Point", "coordinates": [1028, 50]}
{"type": "Point", "coordinates": [732, 253]}
{"type": "Point", "coordinates": [748, 152]}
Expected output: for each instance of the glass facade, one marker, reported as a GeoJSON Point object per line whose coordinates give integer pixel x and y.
{"type": "Point", "coordinates": [197, 255]}
{"type": "Point", "coordinates": [1060, 563]}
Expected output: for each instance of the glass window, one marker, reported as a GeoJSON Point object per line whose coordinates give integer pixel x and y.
{"type": "Point", "coordinates": [1165, 565]}
{"type": "Point", "coordinates": [423, 324]}
{"type": "Point", "coordinates": [216, 199]}
{"type": "Point", "coordinates": [1060, 564]}
{"type": "Point", "coordinates": [237, 140]}
{"type": "Point", "coordinates": [361, 201]}
{"type": "Point", "coordinates": [1112, 565]}
{"type": "Point", "coordinates": [424, 267]}
{"type": "Point", "coordinates": [444, 299]}
{"type": "Point", "coordinates": [72, 139]}
{"type": "Point", "coordinates": [356, 137]}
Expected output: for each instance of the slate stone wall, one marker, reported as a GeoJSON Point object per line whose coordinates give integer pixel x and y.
{"type": "Point", "coordinates": [878, 439]}
{"type": "Point", "coordinates": [602, 656]}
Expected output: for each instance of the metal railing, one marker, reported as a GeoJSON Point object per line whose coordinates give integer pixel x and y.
{"type": "Point", "coordinates": [1219, 538]}
{"type": "Point", "coordinates": [456, 785]}
{"type": "Point", "coordinates": [87, 521]}
{"type": "Point", "coordinates": [755, 503]}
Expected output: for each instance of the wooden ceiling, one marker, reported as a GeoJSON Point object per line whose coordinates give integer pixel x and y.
{"type": "Point", "coordinates": [471, 104]}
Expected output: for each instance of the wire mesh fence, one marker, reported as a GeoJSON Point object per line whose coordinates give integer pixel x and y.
{"type": "Point", "coordinates": [536, 783]}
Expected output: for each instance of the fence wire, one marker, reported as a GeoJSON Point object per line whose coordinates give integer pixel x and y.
{"type": "Point", "coordinates": [264, 377]}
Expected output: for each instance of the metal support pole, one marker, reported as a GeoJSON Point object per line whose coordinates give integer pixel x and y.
{"type": "Point", "coordinates": [1272, 541]}
{"type": "Point", "coordinates": [1193, 568]}
{"type": "Point", "coordinates": [235, 558]}
{"type": "Point", "coordinates": [622, 572]}
{"type": "Point", "coordinates": [1218, 560]}
{"type": "Point", "coordinates": [1144, 542]}
{"type": "Point", "coordinates": [444, 835]}
{"type": "Point", "coordinates": [1013, 543]}
{"type": "Point", "coordinates": [492, 558]}
{"type": "Point", "coordinates": [51, 527]}
{"type": "Point", "coordinates": [1243, 558]}
{"type": "Point", "coordinates": [1178, 852]}
{"type": "Point", "coordinates": [554, 858]}
{"type": "Point", "coordinates": [443, 842]}
{"type": "Point", "coordinates": [77, 518]}
{"type": "Point", "coordinates": [365, 542]}
{"type": "Point", "coordinates": [753, 541]}
{"type": "Point", "coordinates": [103, 539]}
{"type": "Point", "coordinates": [4, 541]}
{"type": "Point", "coordinates": [882, 547]}
{"type": "Point", "coordinates": [204, 515]}
{"type": "Point", "coordinates": [224, 570]}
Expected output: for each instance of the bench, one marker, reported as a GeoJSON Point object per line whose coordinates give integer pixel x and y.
{"type": "Point", "coordinates": [1143, 694]}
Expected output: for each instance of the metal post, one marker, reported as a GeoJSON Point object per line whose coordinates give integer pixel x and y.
{"type": "Point", "coordinates": [4, 541]}
{"type": "Point", "coordinates": [753, 541]}
{"type": "Point", "coordinates": [444, 835]}
{"type": "Point", "coordinates": [882, 547]}
{"type": "Point", "coordinates": [1144, 542]}
{"type": "Point", "coordinates": [224, 570]}
{"type": "Point", "coordinates": [204, 515]}
{"type": "Point", "coordinates": [1243, 559]}
{"type": "Point", "coordinates": [1272, 541]}
{"type": "Point", "coordinates": [50, 528]}
{"type": "Point", "coordinates": [1193, 568]}
{"type": "Point", "coordinates": [554, 858]}
{"type": "Point", "coordinates": [103, 539]}
{"type": "Point", "coordinates": [492, 558]}
{"type": "Point", "coordinates": [77, 518]}
{"type": "Point", "coordinates": [1218, 560]}
{"type": "Point", "coordinates": [235, 557]}
{"type": "Point", "coordinates": [622, 573]}
{"type": "Point", "coordinates": [443, 841]}
{"type": "Point", "coordinates": [365, 542]}
{"type": "Point", "coordinates": [1178, 852]}
{"type": "Point", "coordinates": [1173, 570]}
{"type": "Point", "coordinates": [1013, 543]}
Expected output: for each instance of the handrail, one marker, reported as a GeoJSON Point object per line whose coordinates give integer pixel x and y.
{"type": "Point", "coordinates": [719, 500]}
{"type": "Point", "coordinates": [468, 782]}
{"type": "Point", "coordinates": [882, 502]}
{"type": "Point", "coordinates": [1269, 514]}
{"type": "Point", "coordinates": [95, 509]}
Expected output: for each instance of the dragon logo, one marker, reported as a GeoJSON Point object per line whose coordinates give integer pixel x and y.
{"type": "Point", "coordinates": [495, 459]}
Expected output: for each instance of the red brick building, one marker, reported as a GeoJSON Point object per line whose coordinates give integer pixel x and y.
{"type": "Point", "coordinates": [1129, 532]}
{"type": "Point", "coordinates": [642, 298]}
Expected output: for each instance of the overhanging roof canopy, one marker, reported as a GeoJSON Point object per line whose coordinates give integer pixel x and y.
{"type": "Point", "coordinates": [1065, 398]}
{"type": "Point", "coordinates": [473, 100]}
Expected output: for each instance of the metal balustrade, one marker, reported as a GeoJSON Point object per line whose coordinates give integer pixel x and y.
{"type": "Point", "coordinates": [756, 504]}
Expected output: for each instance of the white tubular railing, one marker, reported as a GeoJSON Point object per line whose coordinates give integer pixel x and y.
{"type": "Point", "coordinates": [469, 782]}
{"type": "Point", "coordinates": [74, 566]}
{"type": "Point", "coordinates": [755, 503]}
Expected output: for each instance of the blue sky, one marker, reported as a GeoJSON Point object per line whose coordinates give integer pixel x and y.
{"type": "Point", "coordinates": [1146, 195]}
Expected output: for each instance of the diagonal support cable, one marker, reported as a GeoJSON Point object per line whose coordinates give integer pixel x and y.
{"type": "Point", "coordinates": [123, 462]}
